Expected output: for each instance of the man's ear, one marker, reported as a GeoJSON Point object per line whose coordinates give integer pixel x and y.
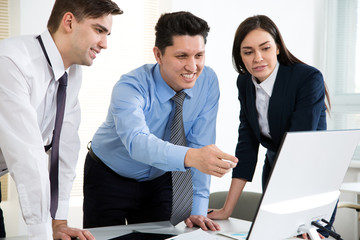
{"type": "Point", "coordinates": [157, 55]}
{"type": "Point", "coordinates": [68, 21]}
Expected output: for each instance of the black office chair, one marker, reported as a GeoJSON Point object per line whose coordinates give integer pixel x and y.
{"type": "Point", "coordinates": [245, 208]}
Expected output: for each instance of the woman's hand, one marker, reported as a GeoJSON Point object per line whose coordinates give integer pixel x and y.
{"type": "Point", "coordinates": [305, 236]}
{"type": "Point", "coordinates": [218, 214]}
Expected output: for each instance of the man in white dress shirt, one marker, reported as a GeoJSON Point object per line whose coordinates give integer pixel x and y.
{"type": "Point", "coordinates": [77, 31]}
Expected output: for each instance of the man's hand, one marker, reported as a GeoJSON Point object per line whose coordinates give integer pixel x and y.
{"type": "Point", "coordinates": [203, 222]}
{"type": "Point", "coordinates": [210, 160]}
{"type": "Point", "coordinates": [63, 232]}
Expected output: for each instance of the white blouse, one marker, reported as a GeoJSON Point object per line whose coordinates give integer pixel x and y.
{"type": "Point", "coordinates": [263, 94]}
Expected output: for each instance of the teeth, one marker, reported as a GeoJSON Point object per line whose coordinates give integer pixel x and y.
{"type": "Point", "coordinates": [94, 51]}
{"type": "Point", "coordinates": [188, 75]}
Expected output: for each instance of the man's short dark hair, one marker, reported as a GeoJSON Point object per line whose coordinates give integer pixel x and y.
{"type": "Point", "coordinates": [178, 24]}
{"type": "Point", "coordinates": [81, 9]}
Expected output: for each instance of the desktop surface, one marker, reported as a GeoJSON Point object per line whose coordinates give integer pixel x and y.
{"type": "Point", "coordinates": [231, 225]}
{"type": "Point", "coordinates": [106, 233]}
{"type": "Point", "coordinates": [352, 187]}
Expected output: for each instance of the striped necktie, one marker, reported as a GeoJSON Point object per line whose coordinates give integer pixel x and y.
{"type": "Point", "coordinates": [181, 181]}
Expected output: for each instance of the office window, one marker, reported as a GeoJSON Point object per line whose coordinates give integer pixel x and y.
{"type": "Point", "coordinates": [342, 64]}
{"type": "Point", "coordinates": [129, 46]}
{"type": "Point", "coordinates": [4, 33]}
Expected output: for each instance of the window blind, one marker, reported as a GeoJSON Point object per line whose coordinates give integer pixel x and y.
{"type": "Point", "coordinates": [4, 19]}
{"type": "Point", "coordinates": [4, 33]}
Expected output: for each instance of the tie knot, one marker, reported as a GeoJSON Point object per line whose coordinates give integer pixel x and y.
{"type": "Point", "coordinates": [178, 98]}
{"type": "Point", "coordinates": [63, 80]}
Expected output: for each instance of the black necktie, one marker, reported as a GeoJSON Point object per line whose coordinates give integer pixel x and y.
{"type": "Point", "coordinates": [181, 181]}
{"type": "Point", "coordinates": [54, 145]}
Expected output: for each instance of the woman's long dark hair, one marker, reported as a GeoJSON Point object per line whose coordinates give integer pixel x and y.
{"type": "Point", "coordinates": [263, 22]}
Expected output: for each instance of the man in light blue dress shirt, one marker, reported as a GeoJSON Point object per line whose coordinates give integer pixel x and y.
{"type": "Point", "coordinates": [127, 174]}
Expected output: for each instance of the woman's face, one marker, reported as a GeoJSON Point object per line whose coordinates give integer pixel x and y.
{"type": "Point", "coordinates": [259, 53]}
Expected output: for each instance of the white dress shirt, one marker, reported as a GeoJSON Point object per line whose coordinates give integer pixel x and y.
{"type": "Point", "coordinates": [263, 94]}
{"type": "Point", "coordinates": [28, 87]}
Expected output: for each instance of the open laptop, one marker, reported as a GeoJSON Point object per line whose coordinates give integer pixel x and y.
{"type": "Point", "coordinates": [304, 183]}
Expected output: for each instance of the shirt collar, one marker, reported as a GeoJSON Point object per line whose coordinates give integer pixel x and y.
{"type": "Point", "coordinates": [164, 91]}
{"type": "Point", "coordinates": [54, 54]}
{"type": "Point", "coordinates": [268, 84]}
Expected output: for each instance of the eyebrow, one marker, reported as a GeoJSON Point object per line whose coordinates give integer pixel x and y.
{"type": "Point", "coordinates": [102, 27]}
{"type": "Point", "coordinates": [262, 44]}
{"type": "Point", "coordinates": [186, 53]}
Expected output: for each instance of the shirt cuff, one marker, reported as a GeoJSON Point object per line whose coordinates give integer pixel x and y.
{"type": "Point", "coordinates": [42, 231]}
{"type": "Point", "coordinates": [200, 206]}
{"type": "Point", "coordinates": [62, 211]}
{"type": "Point", "coordinates": [177, 157]}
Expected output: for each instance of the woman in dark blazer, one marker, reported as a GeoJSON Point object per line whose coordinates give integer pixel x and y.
{"type": "Point", "coordinates": [278, 93]}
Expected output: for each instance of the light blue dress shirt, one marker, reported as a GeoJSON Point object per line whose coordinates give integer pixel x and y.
{"type": "Point", "coordinates": [132, 140]}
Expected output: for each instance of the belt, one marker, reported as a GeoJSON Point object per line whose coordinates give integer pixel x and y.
{"type": "Point", "coordinates": [93, 155]}
{"type": "Point", "coordinates": [99, 161]}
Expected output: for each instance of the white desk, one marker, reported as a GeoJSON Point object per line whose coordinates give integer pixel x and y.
{"type": "Point", "coordinates": [230, 225]}
{"type": "Point", "coordinates": [104, 233]}
{"type": "Point", "coordinates": [353, 187]}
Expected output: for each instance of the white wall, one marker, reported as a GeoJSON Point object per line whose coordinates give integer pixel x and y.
{"type": "Point", "coordinates": [302, 29]}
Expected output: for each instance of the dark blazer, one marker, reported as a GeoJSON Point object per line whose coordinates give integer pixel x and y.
{"type": "Point", "coordinates": [297, 103]}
